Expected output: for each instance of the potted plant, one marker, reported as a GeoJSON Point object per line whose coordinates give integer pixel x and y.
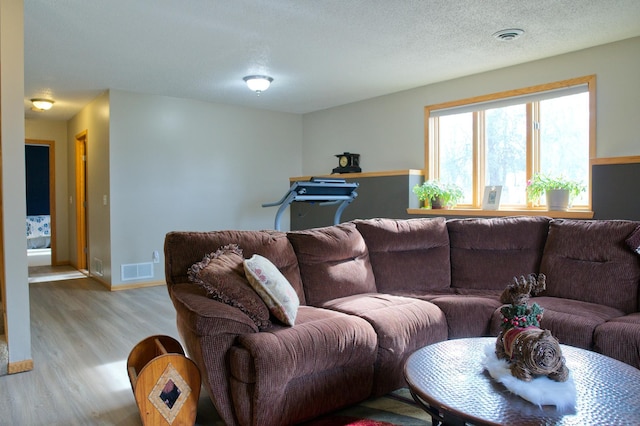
{"type": "Point", "coordinates": [438, 195]}
{"type": "Point", "coordinates": [558, 190]}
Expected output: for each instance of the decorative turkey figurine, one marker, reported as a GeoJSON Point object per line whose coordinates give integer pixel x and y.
{"type": "Point", "coordinates": [530, 350]}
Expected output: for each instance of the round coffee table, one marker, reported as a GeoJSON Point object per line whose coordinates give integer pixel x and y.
{"type": "Point", "coordinates": [448, 380]}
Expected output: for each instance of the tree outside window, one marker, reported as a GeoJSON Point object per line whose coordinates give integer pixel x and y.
{"type": "Point", "coordinates": [503, 139]}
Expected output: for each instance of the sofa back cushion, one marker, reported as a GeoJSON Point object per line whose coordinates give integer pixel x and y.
{"type": "Point", "coordinates": [334, 262]}
{"type": "Point", "coordinates": [590, 261]}
{"type": "Point", "coordinates": [408, 255]}
{"type": "Point", "coordinates": [183, 249]}
{"type": "Point", "coordinates": [487, 253]}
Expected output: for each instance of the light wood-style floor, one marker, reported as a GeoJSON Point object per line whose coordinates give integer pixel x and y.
{"type": "Point", "coordinates": [81, 337]}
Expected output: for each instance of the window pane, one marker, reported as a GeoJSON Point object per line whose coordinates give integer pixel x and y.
{"type": "Point", "coordinates": [564, 139]}
{"type": "Point", "coordinates": [456, 152]}
{"type": "Point", "coordinates": [506, 152]}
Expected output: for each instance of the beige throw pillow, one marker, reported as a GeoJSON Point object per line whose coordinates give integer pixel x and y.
{"type": "Point", "coordinates": [273, 288]}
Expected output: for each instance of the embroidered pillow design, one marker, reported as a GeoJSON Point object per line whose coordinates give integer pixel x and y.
{"type": "Point", "coordinates": [273, 288]}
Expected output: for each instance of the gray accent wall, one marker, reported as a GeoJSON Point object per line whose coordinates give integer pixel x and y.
{"type": "Point", "coordinates": [616, 189]}
{"type": "Point", "coordinates": [378, 196]}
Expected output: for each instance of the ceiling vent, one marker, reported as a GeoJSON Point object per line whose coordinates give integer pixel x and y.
{"type": "Point", "coordinates": [508, 35]}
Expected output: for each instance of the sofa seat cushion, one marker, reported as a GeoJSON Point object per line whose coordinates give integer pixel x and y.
{"type": "Point", "coordinates": [402, 325]}
{"type": "Point", "coordinates": [334, 262]}
{"type": "Point", "coordinates": [293, 373]}
{"type": "Point", "coordinates": [468, 315]}
{"type": "Point", "coordinates": [572, 322]}
{"type": "Point", "coordinates": [590, 261]}
{"type": "Point", "coordinates": [488, 253]}
{"type": "Point", "coordinates": [619, 338]}
{"type": "Point", "coordinates": [491, 294]}
{"type": "Point", "coordinates": [408, 254]}
{"type": "Point", "coordinates": [428, 295]}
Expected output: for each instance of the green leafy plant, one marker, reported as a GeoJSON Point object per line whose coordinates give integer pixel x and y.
{"type": "Point", "coordinates": [448, 194]}
{"type": "Point", "coordinates": [539, 184]}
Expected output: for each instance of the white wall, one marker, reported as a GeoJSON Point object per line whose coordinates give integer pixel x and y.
{"type": "Point", "coordinates": [15, 280]}
{"type": "Point", "coordinates": [179, 164]}
{"type": "Point", "coordinates": [94, 119]}
{"type": "Point", "coordinates": [56, 131]}
{"type": "Point", "coordinates": [388, 131]}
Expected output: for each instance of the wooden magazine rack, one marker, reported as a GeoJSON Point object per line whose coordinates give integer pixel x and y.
{"type": "Point", "coordinates": [165, 383]}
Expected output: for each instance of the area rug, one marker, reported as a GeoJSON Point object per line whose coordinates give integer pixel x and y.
{"type": "Point", "coordinates": [346, 421]}
{"type": "Point", "coordinates": [394, 409]}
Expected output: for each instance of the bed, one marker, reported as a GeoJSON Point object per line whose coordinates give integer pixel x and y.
{"type": "Point", "coordinates": [38, 232]}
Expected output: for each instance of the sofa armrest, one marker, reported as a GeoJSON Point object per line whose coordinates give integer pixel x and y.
{"type": "Point", "coordinates": [205, 316]}
{"type": "Point", "coordinates": [291, 374]}
{"type": "Point", "coordinates": [208, 329]}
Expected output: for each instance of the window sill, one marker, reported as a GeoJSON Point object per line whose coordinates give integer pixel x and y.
{"type": "Point", "coordinates": [570, 214]}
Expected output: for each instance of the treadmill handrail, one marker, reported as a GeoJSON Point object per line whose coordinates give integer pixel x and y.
{"type": "Point", "coordinates": [299, 195]}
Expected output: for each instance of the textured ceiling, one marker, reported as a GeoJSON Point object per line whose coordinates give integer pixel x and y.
{"type": "Point", "coordinates": [320, 53]}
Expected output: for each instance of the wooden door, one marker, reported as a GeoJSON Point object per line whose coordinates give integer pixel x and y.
{"type": "Point", "coordinates": [81, 200]}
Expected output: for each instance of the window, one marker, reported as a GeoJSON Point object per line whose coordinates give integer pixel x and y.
{"type": "Point", "coordinates": [504, 138]}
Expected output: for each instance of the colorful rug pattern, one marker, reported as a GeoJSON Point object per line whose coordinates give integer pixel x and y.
{"type": "Point", "coordinates": [395, 409]}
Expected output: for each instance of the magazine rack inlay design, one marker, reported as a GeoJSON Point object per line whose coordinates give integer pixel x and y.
{"type": "Point", "coordinates": [165, 383]}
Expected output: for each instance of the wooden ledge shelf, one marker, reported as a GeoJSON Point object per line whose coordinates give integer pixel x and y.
{"type": "Point", "coordinates": [570, 214]}
{"type": "Point", "coordinates": [412, 172]}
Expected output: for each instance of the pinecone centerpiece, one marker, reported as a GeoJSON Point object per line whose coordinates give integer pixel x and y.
{"type": "Point", "coordinates": [530, 350]}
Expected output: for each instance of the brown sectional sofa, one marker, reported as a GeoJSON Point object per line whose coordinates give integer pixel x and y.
{"type": "Point", "coordinates": [373, 291]}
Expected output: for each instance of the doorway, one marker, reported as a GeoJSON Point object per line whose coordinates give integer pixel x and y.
{"type": "Point", "coordinates": [41, 206]}
{"type": "Point", "coordinates": [81, 201]}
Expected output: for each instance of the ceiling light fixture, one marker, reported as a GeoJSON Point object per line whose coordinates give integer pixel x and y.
{"type": "Point", "coordinates": [40, 104]}
{"type": "Point", "coordinates": [508, 34]}
{"type": "Point", "coordinates": [258, 83]}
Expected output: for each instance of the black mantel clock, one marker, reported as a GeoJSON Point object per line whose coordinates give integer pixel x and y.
{"type": "Point", "coordinates": [348, 163]}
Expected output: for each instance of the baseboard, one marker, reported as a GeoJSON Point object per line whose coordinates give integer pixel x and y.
{"type": "Point", "coordinates": [137, 285]}
{"type": "Point", "coordinates": [20, 366]}
{"type": "Point", "coordinates": [99, 279]}
{"type": "Point", "coordinates": [133, 286]}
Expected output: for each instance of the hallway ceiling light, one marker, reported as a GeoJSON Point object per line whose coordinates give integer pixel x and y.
{"type": "Point", "coordinates": [258, 83]}
{"type": "Point", "coordinates": [40, 104]}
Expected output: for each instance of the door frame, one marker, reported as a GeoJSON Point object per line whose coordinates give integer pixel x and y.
{"type": "Point", "coordinates": [52, 193]}
{"type": "Point", "coordinates": [82, 251]}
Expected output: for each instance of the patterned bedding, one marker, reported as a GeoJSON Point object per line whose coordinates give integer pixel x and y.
{"type": "Point", "coordinates": [38, 231]}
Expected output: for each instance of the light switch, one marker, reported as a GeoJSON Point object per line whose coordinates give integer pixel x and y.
{"type": "Point", "coordinates": [104, 200]}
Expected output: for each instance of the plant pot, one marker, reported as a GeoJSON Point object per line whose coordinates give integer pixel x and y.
{"type": "Point", "coordinates": [436, 203]}
{"type": "Point", "coordinates": [557, 199]}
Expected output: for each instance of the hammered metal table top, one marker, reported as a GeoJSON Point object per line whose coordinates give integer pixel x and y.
{"type": "Point", "coordinates": [450, 378]}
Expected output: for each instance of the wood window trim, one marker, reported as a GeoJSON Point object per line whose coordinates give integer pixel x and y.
{"type": "Point", "coordinates": [465, 212]}
{"type": "Point", "coordinates": [431, 169]}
